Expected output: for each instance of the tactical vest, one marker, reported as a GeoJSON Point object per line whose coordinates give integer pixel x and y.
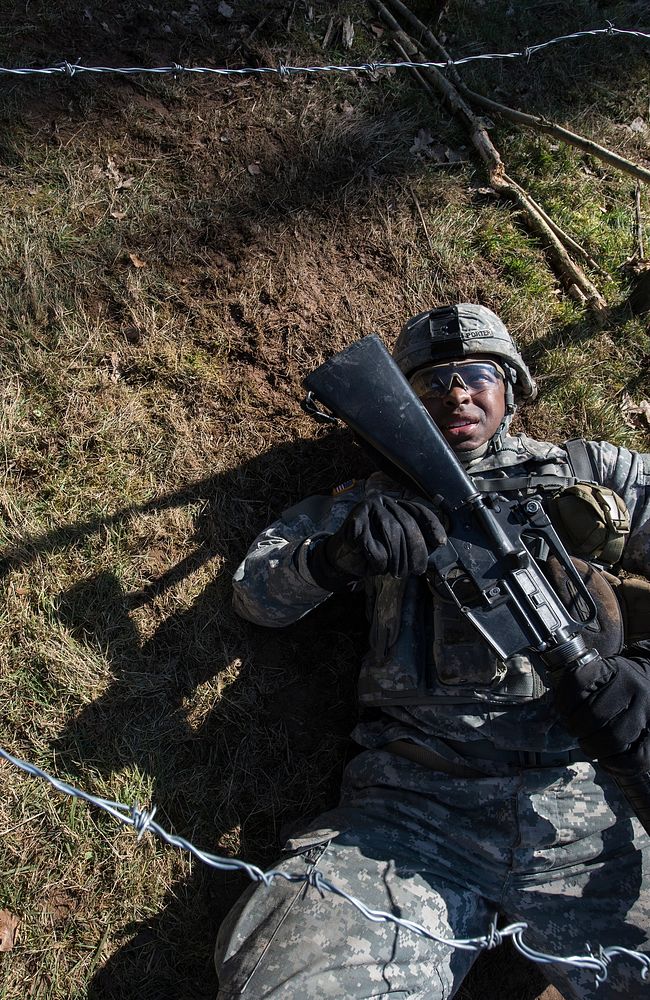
{"type": "Point", "coordinates": [424, 651]}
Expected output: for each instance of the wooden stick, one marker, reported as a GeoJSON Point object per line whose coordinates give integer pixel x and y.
{"type": "Point", "coordinates": [438, 48]}
{"type": "Point", "coordinates": [404, 46]}
{"type": "Point", "coordinates": [564, 237]}
{"type": "Point", "coordinates": [558, 252]}
{"type": "Point", "coordinates": [540, 124]}
{"type": "Point", "coordinates": [425, 35]}
{"type": "Point", "coordinates": [639, 222]}
{"type": "Point", "coordinates": [478, 132]}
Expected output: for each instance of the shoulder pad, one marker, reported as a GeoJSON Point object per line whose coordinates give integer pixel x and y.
{"type": "Point", "coordinates": [580, 460]}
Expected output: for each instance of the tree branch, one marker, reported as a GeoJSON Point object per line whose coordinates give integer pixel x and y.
{"type": "Point", "coordinates": [540, 124]}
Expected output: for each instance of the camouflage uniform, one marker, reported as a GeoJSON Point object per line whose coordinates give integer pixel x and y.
{"type": "Point", "coordinates": [521, 823]}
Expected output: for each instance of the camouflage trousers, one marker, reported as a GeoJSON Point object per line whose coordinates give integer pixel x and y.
{"type": "Point", "coordinates": [553, 847]}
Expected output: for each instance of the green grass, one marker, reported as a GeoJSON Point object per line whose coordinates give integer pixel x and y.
{"type": "Point", "coordinates": [161, 304]}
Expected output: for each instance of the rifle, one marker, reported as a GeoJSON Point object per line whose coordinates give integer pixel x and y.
{"type": "Point", "coordinates": [486, 567]}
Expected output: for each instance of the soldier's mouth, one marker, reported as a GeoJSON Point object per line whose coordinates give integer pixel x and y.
{"type": "Point", "coordinates": [454, 425]}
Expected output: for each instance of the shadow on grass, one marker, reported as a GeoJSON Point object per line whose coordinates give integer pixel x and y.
{"type": "Point", "coordinates": [268, 745]}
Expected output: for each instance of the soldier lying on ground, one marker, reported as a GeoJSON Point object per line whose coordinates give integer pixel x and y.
{"type": "Point", "coordinates": [474, 791]}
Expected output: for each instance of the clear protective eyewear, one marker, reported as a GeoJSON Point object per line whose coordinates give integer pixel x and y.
{"type": "Point", "coordinates": [437, 381]}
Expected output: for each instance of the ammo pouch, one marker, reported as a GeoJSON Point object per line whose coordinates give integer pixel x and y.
{"type": "Point", "coordinates": [623, 605]}
{"type": "Point", "coordinates": [592, 521]}
{"type": "Point", "coordinates": [633, 595]}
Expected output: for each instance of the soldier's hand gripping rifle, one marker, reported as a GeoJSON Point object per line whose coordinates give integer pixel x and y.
{"type": "Point", "coordinates": [486, 566]}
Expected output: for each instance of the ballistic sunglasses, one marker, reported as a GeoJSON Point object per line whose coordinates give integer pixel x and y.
{"type": "Point", "coordinates": [437, 381]}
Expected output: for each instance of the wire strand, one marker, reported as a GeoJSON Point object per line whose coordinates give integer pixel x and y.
{"type": "Point", "coordinates": [65, 68]}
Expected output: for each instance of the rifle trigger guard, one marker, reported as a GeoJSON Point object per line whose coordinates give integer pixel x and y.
{"type": "Point", "coordinates": [309, 406]}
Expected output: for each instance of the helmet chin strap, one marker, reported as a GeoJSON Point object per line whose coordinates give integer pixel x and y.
{"type": "Point", "coordinates": [495, 444]}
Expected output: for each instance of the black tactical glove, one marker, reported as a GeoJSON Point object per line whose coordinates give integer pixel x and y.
{"type": "Point", "coordinates": [380, 536]}
{"type": "Point", "coordinates": [606, 704]}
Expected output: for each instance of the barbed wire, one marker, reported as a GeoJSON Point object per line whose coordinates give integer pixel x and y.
{"type": "Point", "coordinates": [70, 70]}
{"type": "Point", "coordinates": [143, 822]}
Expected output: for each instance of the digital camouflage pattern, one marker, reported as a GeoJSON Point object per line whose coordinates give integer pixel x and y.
{"type": "Point", "coordinates": [447, 853]}
{"type": "Point", "coordinates": [442, 850]}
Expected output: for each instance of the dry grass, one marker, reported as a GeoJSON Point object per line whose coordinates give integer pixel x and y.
{"type": "Point", "coordinates": [162, 301]}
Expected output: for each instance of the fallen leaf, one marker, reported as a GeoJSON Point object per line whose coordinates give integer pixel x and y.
{"type": "Point", "coordinates": [638, 125]}
{"type": "Point", "coordinates": [225, 9]}
{"type": "Point", "coordinates": [421, 141]}
{"type": "Point", "coordinates": [114, 363]}
{"type": "Point", "coordinates": [550, 993]}
{"type": "Point", "coordinates": [112, 171]}
{"type": "Point", "coordinates": [118, 215]}
{"type": "Point", "coordinates": [136, 261]}
{"type": "Point", "coordinates": [347, 32]}
{"type": "Point", "coordinates": [8, 926]}
{"type": "Point", "coordinates": [453, 156]}
{"type": "Point", "coordinates": [21, 591]}
{"type": "Point", "coordinates": [437, 152]}
{"type": "Point", "coordinates": [347, 108]}
{"type": "Point", "coordinates": [118, 179]}
{"type": "Point", "coordinates": [489, 192]}
{"type": "Point", "coordinates": [377, 30]}
{"type": "Point", "coordinates": [635, 414]}
{"type": "Point", "coordinates": [254, 168]}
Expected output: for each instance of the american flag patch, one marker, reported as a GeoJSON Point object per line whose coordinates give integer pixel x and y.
{"type": "Point", "coordinates": [344, 487]}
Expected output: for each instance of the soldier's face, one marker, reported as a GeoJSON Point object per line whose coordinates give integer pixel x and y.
{"type": "Point", "coordinates": [466, 399]}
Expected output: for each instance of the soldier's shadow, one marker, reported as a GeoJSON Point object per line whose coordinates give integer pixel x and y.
{"type": "Point", "coordinates": [269, 751]}
{"type": "Point", "coordinates": [265, 746]}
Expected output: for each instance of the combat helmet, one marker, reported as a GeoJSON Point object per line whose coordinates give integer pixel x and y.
{"type": "Point", "coordinates": [464, 330]}
{"type": "Point", "coordinates": [460, 331]}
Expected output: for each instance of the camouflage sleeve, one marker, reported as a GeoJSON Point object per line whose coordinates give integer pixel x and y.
{"type": "Point", "coordinates": [273, 585]}
{"type": "Point", "coordinates": [628, 474]}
